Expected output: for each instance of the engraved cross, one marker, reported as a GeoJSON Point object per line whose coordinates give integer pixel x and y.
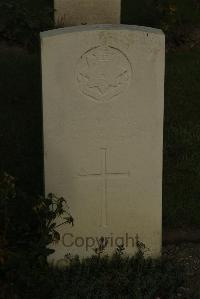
{"type": "Point", "coordinates": [104, 175]}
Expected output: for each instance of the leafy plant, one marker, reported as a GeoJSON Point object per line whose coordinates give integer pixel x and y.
{"type": "Point", "coordinates": [27, 228]}
{"type": "Point", "coordinates": [28, 222]}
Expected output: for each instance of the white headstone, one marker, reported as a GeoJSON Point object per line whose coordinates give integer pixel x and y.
{"type": "Point", "coordinates": [81, 12]}
{"type": "Point", "coordinates": [103, 102]}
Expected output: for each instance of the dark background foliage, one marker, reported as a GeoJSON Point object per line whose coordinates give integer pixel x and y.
{"type": "Point", "coordinates": [22, 20]}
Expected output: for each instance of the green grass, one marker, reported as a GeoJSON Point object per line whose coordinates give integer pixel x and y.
{"type": "Point", "coordinates": [21, 130]}
{"type": "Point", "coordinates": [114, 277]}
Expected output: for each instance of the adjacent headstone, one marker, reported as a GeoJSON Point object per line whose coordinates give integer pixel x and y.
{"type": "Point", "coordinates": [103, 102]}
{"type": "Point", "coordinates": [82, 12]}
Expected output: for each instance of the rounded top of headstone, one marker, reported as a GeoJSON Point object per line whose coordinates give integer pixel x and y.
{"type": "Point", "coordinates": [102, 27]}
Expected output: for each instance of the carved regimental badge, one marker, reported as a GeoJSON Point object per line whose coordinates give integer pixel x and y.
{"type": "Point", "coordinates": [103, 73]}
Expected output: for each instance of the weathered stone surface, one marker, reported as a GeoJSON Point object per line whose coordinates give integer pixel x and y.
{"type": "Point", "coordinates": [81, 12]}
{"type": "Point", "coordinates": [103, 102]}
